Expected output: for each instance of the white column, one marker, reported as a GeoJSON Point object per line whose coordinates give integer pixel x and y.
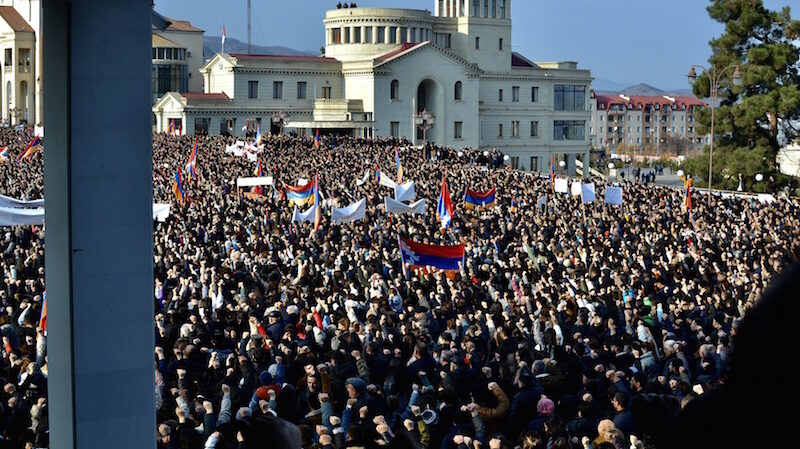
{"type": "Point", "coordinates": [99, 240]}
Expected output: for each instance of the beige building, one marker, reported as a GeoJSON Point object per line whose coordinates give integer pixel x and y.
{"type": "Point", "coordinates": [641, 122]}
{"type": "Point", "coordinates": [177, 56]}
{"type": "Point", "coordinates": [448, 77]}
{"type": "Point", "coordinates": [20, 24]}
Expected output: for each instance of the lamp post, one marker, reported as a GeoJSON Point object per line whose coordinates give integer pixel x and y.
{"type": "Point", "coordinates": [611, 166]}
{"type": "Point", "coordinates": [278, 119]}
{"type": "Point", "coordinates": [561, 165]}
{"type": "Point", "coordinates": [424, 121]}
{"type": "Point", "coordinates": [714, 77]}
{"type": "Point", "coordinates": [759, 178]}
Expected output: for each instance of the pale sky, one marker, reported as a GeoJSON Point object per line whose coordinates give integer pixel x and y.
{"type": "Point", "coordinates": [627, 41]}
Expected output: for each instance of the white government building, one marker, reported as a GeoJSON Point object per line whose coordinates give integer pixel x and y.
{"type": "Point", "coordinates": [450, 77]}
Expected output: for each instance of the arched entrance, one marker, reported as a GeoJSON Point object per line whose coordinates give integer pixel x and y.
{"type": "Point", "coordinates": [428, 98]}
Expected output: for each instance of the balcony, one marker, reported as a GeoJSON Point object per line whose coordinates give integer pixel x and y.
{"type": "Point", "coordinates": [24, 68]}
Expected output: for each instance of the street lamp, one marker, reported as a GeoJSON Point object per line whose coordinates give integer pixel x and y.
{"type": "Point", "coordinates": [680, 173]}
{"type": "Point", "coordinates": [424, 121]}
{"type": "Point", "coordinates": [714, 78]}
{"type": "Point", "coordinates": [278, 119]}
{"type": "Point", "coordinates": [561, 165]}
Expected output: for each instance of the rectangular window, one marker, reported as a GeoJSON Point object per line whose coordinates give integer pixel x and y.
{"type": "Point", "coordinates": [347, 35]}
{"type": "Point", "coordinates": [457, 130]}
{"type": "Point", "coordinates": [337, 36]}
{"type": "Point", "coordinates": [461, 8]}
{"type": "Point", "coordinates": [357, 35]}
{"type": "Point", "coordinates": [10, 56]}
{"type": "Point", "coordinates": [569, 130]}
{"type": "Point", "coordinates": [500, 95]}
{"type": "Point", "coordinates": [160, 53]}
{"type": "Point", "coordinates": [494, 9]}
{"type": "Point", "coordinates": [477, 43]}
{"type": "Point", "coordinates": [381, 37]}
{"type": "Point", "coordinates": [515, 128]}
{"type": "Point", "coordinates": [301, 90]}
{"type": "Point", "coordinates": [500, 44]}
{"type": "Point", "coordinates": [168, 53]}
{"type": "Point", "coordinates": [485, 8]}
{"type": "Point", "coordinates": [476, 8]}
{"type": "Point", "coordinates": [368, 35]}
{"type": "Point", "coordinates": [326, 92]}
{"type": "Point", "coordinates": [499, 130]}
{"type": "Point", "coordinates": [534, 129]}
{"type": "Point", "coordinates": [252, 89]}
{"type": "Point", "coordinates": [392, 35]}
{"type": "Point", "coordinates": [515, 94]}
{"type": "Point", "coordinates": [395, 129]}
{"type": "Point", "coordinates": [535, 94]}
{"type": "Point", "coordinates": [569, 97]}
{"type": "Point", "coordinates": [277, 90]}
{"type": "Point", "coordinates": [502, 9]}
{"type": "Point", "coordinates": [403, 35]}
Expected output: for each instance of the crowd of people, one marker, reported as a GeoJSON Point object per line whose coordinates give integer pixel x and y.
{"type": "Point", "coordinates": [270, 333]}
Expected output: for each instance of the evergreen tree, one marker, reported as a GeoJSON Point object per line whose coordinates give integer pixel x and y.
{"type": "Point", "coordinates": [754, 121]}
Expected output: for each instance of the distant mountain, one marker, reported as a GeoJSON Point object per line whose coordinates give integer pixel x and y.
{"type": "Point", "coordinates": [643, 90]}
{"type": "Point", "coordinates": [603, 85]}
{"type": "Point", "coordinates": [213, 44]}
{"type": "Point", "coordinates": [606, 87]}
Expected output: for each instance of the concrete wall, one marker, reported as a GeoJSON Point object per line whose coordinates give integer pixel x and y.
{"type": "Point", "coordinates": [192, 41]}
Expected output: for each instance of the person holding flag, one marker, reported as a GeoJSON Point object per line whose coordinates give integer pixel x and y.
{"type": "Point", "coordinates": [3, 155]}
{"type": "Point", "coordinates": [317, 204]}
{"type": "Point", "coordinates": [31, 149]}
{"type": "Point", "coordinates": [399, 165]}
{"type": "Point", "coordinates": [552, 175]}
{"type": "Point", "coordinates": [177, 188]}
{"type": "Point", "coordinates": [316, 139]}
{"type": "Point", "coordinates": [445, 208]}
{"type": "Point", "coordinates": [258, 135]}
{"type": "Point", "coordinates": [191, 165]}
{"type": "Point", "coordinates": [688, 182]}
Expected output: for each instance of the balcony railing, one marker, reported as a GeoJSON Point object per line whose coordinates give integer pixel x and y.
{"type": "Point", "coordinates": [24, 68]}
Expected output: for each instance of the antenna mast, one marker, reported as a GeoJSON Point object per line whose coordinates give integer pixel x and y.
{"type": "Point", "coordinates": [249, 29]}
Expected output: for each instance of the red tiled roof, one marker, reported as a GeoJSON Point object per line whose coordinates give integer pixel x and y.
{"type": "Point", "coordinates": [181, 25]}
{"type": "Point", "coordinates": [204, 96]}
{"type": "Point", "coordinates": [637, 101]}
{"type": "Point", "coordinates": [399, 51]}
{"type": "Point", "coordinates": [517, 60]}
{"type": "Point", "coordinates": [285, 57]}
{"type": "Point", "coordinates": [14, 20]}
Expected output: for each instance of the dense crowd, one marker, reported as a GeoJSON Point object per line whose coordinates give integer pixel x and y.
{"type": "Point", "coordinates": [272, 334]}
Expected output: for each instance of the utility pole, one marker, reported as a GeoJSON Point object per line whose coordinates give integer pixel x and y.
{"type": "Point", "coordinates": [249, 29]}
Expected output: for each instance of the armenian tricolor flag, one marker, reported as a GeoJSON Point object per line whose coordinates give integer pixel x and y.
{"type": "Point", "coordinates": [474, 200]}
{"type": "Point", "coordinates": [190, 166]}
{"type": "Point", "coordinates": [4, 154]}
{"type": "Point", "coordinates": [31, 149]}
{"type": "Point", "coordinates": [399, 165]}
{"type": "Point", "coordinates": [445, 208]}
{"type": "Point", "coordinates": [300, 195]}
{"type": "Point", "coordinates": [258, 134]}
{"type": "Point", "coordinates": [316, 139]}
{"type": "Point", "coordinates": [688, 193]}
{"type": "Point", "coordinates": [43, 316]}
{"type": "Point", "coordinates": [259, 171]}
{"type": "Point", "coordinates": [177, 188]}
{"type": "Point", "coordinates": [317, 204]}
{"type": "Point", "coordinates": [171, 128]}
{"type": "Point", "coordinates": [552, 175]}
{"type": "Point", "coordinates": [422, 255]}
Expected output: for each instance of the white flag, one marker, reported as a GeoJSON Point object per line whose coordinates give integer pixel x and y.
{"type": "Point", "coordinates": [396, 207]}
{"type": "Point", "coordinates": [587, 192]}
{"type": "Point", "coordinates": [387, 181]}
{"type": "Point", "coordinates": [362, 181]}
{"type": "Point", "coordinates": [299, 217]}
{"type": "Point", "coordinates": [561, 185]}
{"type": "Point", "coordinates": [405, 192]}
{"type": "Point", "coordinates": [613, 195]}
{"type": "Point", "coordinates": [161, 211]}
{"type": "Point", "coordinates": [576, 188]}
{"type": "Point", "coordinates": [354, 212]}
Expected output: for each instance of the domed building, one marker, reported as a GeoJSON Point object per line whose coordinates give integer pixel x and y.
{"type": "Point", "coordinates": [447, 77]}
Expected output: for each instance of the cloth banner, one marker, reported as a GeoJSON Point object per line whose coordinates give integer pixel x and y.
{"type": "Point", "coordinates": [161, 211]}
{"type": "Point", "coordinates": [17, 216]}
{"type": "Point", "coordinates": [766, 198]}
{"type": "Point", "coordinates": [561, 185]}
{"type": "Point", "coordinates": [354, 212]}
{"type": "Point", "coordinates": [302, 181]}
{"type": "Point", "coordinates": [6, 201]}
{"type": "Point", "coordinates": [387, 181]}
{"type": "Point", "coordinates": [252, 157]}
{"type": "Point", "coordinates": [299, 217]}
{"type": "Point", "coordinates": [362, 181]}
{"type": "Point", "coordinates": [396, 207]}
{"type": "Point", "coordinates": [542, 200]}
{"type": "Point", "coordinates": [587, 192]}
{"type": "Point", "coordinates": [405, 192]}
{"type": "Point", "coordinates": [576, 188]}
{"type": "Point", "coordinates": [259, 181]}
{"type": "Point", "coordinates": [613, 195]}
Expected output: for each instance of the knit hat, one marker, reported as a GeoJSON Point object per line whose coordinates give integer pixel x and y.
{"type": "Point", "coordinates": [539, 367]}
{"type": "Point", "coordinates": [265, 378]}
{"type": "Point", "coordinates": [545, 406]}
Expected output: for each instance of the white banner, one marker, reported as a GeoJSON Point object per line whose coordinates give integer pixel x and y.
{"type": "Point", "coordinates": [354, 212]}
{"type": "Point", "coordinates": [542, 200]}
{"type": "Point", "coordinates": [302, 181]}
{"type": "Point", "coordinates": [38, 131]}
{"type": "Point", "coordinates": [587, 192]}
{"type": "Point", "coordinates": [561, 185]}
{"type": "Point", "coordinates": [405, 192]}
{"type": "Point", "coordinates": [238, 152]}
{"type": "Point", "coordinates": [396, 207]}
{"type": "Point", "coordinates": [387, 181]}
{"type": "Point", "coordinates": [161, 211]}
{"type": "Point", "coordinates": [252, 157]}
{"type": "Point", "coordinates": [259, 181]}
{"type": "Point", "coordinates": [362, 181]}
{"type": "Point", "coordinates": [6, 201]}
{"type": "Point", "coordinates": [613, 195]}
{"type": "Point", "coordinates": [576, 188]}
{"type": "Point", "coordinates": [16, 216]}
{"type": "Point", "coordinates": [299, 217]}
{"type": "Point", "coordinates": [766, 198]}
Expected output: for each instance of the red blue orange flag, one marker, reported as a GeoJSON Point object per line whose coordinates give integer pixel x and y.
{"type": "Point", "coordinates": [31, 149]}
{"type": "Point", "coordinates": [177, 188]}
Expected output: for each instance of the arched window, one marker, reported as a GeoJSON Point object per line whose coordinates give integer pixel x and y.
{"type": "Point", "coordinates": [458, 90]}
{"type": "Point", "coordinates": [395, 91]}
